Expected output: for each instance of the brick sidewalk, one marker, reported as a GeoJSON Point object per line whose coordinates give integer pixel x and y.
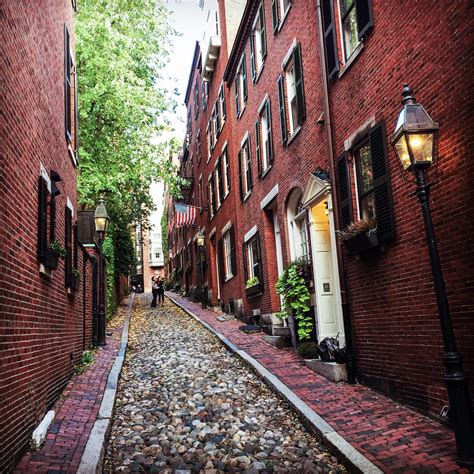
{"type": "Point", "coordinates": [393, 437]}
{"type": "Point", "coordinates": [76, 412]}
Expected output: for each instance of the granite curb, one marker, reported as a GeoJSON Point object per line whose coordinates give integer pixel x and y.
{"type": "Point", "coordinates": [93, 456]}
{"type": "Point", "coordinates": [354, 459]}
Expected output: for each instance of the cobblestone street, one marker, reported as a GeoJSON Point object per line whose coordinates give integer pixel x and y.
{"type": "Point", "coordinates": [185, 404]}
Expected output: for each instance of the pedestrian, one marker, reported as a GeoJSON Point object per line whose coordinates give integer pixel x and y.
{"type": "Point", "coordinates": [154, 290]}
{"type": "Point", "coordinates": [161, 291]}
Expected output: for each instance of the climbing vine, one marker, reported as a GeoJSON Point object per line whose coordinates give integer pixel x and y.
{"type": "Point", "coordinates": [292, 286]}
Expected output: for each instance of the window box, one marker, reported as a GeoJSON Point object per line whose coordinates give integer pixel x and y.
{"type": "Point", "coordinates": [361, 242]}
{"type": "Point", "coordinates": [51, 259]}
{"type": "Point", "coordinates": [75, 282]}
{"type": "Point", "coordinates": [253, 290]}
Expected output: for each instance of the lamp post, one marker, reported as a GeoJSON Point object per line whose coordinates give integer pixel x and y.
{"type": "Point", "coordinates": [201, 242]}
{"type": "Point", "coordinates": [101, 220]}
{"type": "Point", "coordinates": [415, 143]}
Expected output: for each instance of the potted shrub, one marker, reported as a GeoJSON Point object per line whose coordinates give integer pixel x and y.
{"type": "Point", "coordinates": [252, 287]}
{"type": "Point", "coordinates": [54, 252]}
{"type": "Point", "coordinates": [308, 350]}
{"type": "Point", "coordinates": [75, 279]}
{"type": "Point", "coordinates": [359, 236]}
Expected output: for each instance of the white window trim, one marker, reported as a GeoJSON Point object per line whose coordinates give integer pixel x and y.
{"type": "Point", "coordinates": [226, 227]}
{"type": "Point", "coordinates": [250, 233]}
{"type": "Point", "coordinates": [281, 20]}
{"type": "Point", "coordinates": [269, 197]}
{"type": "Point", "coordinates": [71, 207]}
{"type": "Point", "coordinates": [46, 177]}
{"type": "Point", "coordinates": [262, 104]}
{"type": "Point", "coordinates": [255, 24]}
{"type": "Point", "coordinates": [227, 256]}
{"type": "Point", "coordinates": [289, 53]}
{"type": "Point", "coordinates": [246, 137]}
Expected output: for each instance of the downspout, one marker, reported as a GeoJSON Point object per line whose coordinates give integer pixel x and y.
{"type": "Point", "coordinates": [351, 365]}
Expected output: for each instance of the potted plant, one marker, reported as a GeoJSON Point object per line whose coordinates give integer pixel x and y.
{"type": "Point", "coordinates": [252, 286]}
{"type": "Point", "coordinates": [75, 279]}
{"type": "Point", "coordinates": [359, 236]}
{"type": "Point", "coordinates": [54, 251]}
{"type": "Point", "coordinates": [308, 350]}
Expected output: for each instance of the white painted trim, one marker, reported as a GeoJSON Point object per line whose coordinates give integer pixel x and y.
{"type": "Point", "coordinates": [363, 129]}
{"type": "Point", "coordinates": [269, 197]}
{"type": "Point", "coordinates": [69, 204]}
{"type": "Point", "coordinates": [288, 54]}
{"type": "Point", "coordinates": [224, 146]}
{"type": "Point", "coordinates": [46, 177]}
{"type": "Point", "coordinates": [250, 234]}
{"type": "Point", "coordinates": [226, 227]}
{"type": "Point", "coordinates": [262, 104]}
{"type": "Point", "coordinates": [244, 139]}
{"type": "Point", "coordinates": [189, 241]}
{"type": "Point", "coordinates": [212, 233]}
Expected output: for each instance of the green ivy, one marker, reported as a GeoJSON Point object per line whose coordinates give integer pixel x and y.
{"type": "Point", "coordinates": [292, 286]}
{"type": "Point", "coordinates": [109, 252]}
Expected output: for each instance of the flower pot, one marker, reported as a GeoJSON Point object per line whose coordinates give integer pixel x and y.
{"type": "Point", "coordinates": [51, 259]}
{"type": "Point", "coordinates": [361, 242]}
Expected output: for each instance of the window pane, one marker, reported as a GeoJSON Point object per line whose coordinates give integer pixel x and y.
{"type": "Point", "coordinates": [365, 169]}
{"type": "Point", "coordinates": [367, 207]}
{"type": "Point", "coordinates": [351, 38]}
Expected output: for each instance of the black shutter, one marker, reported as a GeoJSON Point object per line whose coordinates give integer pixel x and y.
{"type": "Point", "coordinates": [220, 259]}
{"type": "Point", "coordinates": [344, 191]}
{"type": "Point", "coordinates": [263, 32]}
{"type": "Point", "coordinates": [275, 15]}
{"type": "Point", "coordinates": [220, 180]}
{"type": "Point", "coordinates": [281, 100]}
{"type": "Point", "coordinates": [76, 246]}
{"type": "Point", "coordinates": [244, 255]}
{"type": "Point", "coordinates": [67, 85]}
{"type": "Point", "coordinates": [244, 79]}
{"type": "Point", "coordinates": [52, 219]}
{"type": "Point", "coordinates": [382, 186]}
{"type": "Point", "coordinates": [259, 267]}
{"type": "Point", "coordinates": [237, 100]}
{"type": "Point", "coordinates": [241, 184]}
{"type": "Point", "coordinates": [227, 168]}
{"type": "Point", "coordinates": [299, 84]}
{"type": "Point", "coordinates": [76, 118]}
{"type": "Point", "coordinates": [365, 18]}
{"type": "Point", "coordinates": [332, 60]}
{"type": "Point", "coordinates": [42, 219]}
{"type": "Point", "coordinates": [257, 147]}
{"type": "Point", "coordinates": [223, 103]}
{"type": "Point", "coordinates": [269, 132]}
{"type": "Point", "coordinates": [213, 192]}
{"type": "Point", "coordinates": [233, 255]}
{"type": "Point", "coordinates": [67, 245]}
{"type": "Point", "coordinates": [252, 57]}
{"type": "Point", "coordinates": [249, 165]}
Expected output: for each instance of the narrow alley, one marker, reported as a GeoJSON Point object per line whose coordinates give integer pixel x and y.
{"type": "Point", "coordinates": [186, 404]}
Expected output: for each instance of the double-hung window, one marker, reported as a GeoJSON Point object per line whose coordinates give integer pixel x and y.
{"type": "Point", "coordinates": [221, 106]}
{"type": "Point", "coordinates": [198, 146]}
{"type": "Point", "coordinates": [258, 43]}
{"type": "Point", "coordinates": [227, 256]}
{"type": "Point", "coordinates": [200, 194]}
{"type": "Point", "coordinates": [205, 93]}
{"type": "Point", "coordinates": [240, 85]}
{"type": "Point", "coordinates": [263, 138]}
{"type": "Point", "coordinates": [226, 170]}
{"type": "Point", "coordinates": [291, 94]}
{"type": "Point", "coordinates": [219, 186]}
{"type": "Point", "coordinates": [245, 169]}
{"type": "Point", "coordinates": [279, 10]}
{"type": "Point", "coordinates": [70, 97]}
{"type": "Point", "coordinates": [208, 139]}
{"type": "Point", "coordinates": [253, 273]}
{"type": "Point", "coordinates": [365, 181]}
{"type": "Point", "coordinates": [212, 196]}
{"type": "Point", "coordinates": [196, 99]}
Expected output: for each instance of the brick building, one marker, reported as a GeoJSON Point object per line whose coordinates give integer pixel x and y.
{"type": "Point", "coordinates": [46, 302]}
{"type": "Point", "coordinates": [311, 101]}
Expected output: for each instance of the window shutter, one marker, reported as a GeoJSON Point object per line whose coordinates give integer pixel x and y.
{"type": "Point", "coordinates": [233, 254]}
{"type": "Point", "coordinates": [263, 32]}
{"type": "Point", "coordinates": [227, 168]}
{"type": "Point", "coordinates": [257, 147]}
{"type": "Point", "coordinates": [269, 132]}
{"type": "Point", "coordinates": [281, 100]}
{"type": "Point", "coordinates": [217, 116]}
{"type": "Point", "coordinates": [42, 219]}
{"type": "Point", "coordinates": [52, 219]}
{"type": "Point", "coordinates": [275, 20]}
{"type": "Point", "coordinates": [245, 257]}
{"type": "Point", "coordinates": [223, 103]}
{"type": "Point", "coordinates": [213, 191]}
{"type": "Point", "coordinates": [237, 101]}
{"type": "Point", "coordinates": [249, 165]}
{"type": "Point", "coordinates": [259, 268]}
{"type": "Point", "coordinates": [332, 60]}
{"type": "Point", "coordinates": [76, 246]}
{"type": "Point", "coordinates": [76, 118]}
{"type": "Point", "coordinates": [244, 77]}
{"type": "Point", "coordinates": [68, 246]}
{"type": "Point", "coordinates": [241, 184]}
{"type": "Point", "coordinates": [67, 85]}
{"type": "Point", "coordinates": [344, 191]}
{"type": "Point", "coordinates": [252, 56]}
{"type": "Point", "coordinates": [220, 258]}
{"type": "Point", "coordinates": [220, 180]}
{"type": "Point", "coordinates": [365, 18]}
{"type": "Point", "coordinates": [299, 83]}
{"type": "Point", "coordinates": [382, 186]}
{"type": "Point", "coordinates": [203, 95]}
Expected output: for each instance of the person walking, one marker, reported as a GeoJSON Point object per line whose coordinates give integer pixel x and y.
{"type": "Point", "coordinates": [154, 291]}
{"type": "Point", "coordinates": [161, 291]}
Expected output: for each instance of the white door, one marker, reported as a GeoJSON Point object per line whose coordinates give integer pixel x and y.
{"type": "Point", "coordinates": [329, 313]}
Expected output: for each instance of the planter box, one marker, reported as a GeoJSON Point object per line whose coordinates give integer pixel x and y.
{"type": "Point", "coordinates": [75, 282]}
{"type": "Point", "coordinates": [51, 260]}
{"type": "Point", "coordinates": [361, 242]}
{"type": "Point", "coordinates": [253, 290]}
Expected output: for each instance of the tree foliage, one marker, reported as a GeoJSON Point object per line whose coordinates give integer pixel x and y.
{"type": "Point", "coordinates": [121, 49]}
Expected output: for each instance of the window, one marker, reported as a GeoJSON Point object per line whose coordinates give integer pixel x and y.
{"type": "Point", "coordinates": [279, 10]}
{"type": "Point", "coordinates": [68, 247]}
{"type": "Point", "coordinates": [205, 93]}
{"type": "Point", "coordinates": [298, 227]}
{"type": "Point", "coordinates": [227, 255]}
{"type": "Point", "coordinates": [253, 263]}
{"type": "Point", "coordinates": [356, 20]}
{"type": "Point", "coordinates": [212, 196]}
{"type": "Point", "coordinates": [226, 170]}
{"type": "Point", "coordinates": [221, 106]}
{"type": "Point", "coordinates": [373, 188]}
{"type": "Point", "coordinates": [219, 187]}
{"type": "Point", "coordinates": [200, 194]}
{"type": "Point", "coordinates": [70, 97]}
{"type": "Point", "coordinates": [216, 124]}
{"type": "Point", "coordinates": [46, 223]}
{"type": "Point", "coordinates": [196, 99]}
{"type": "Point", "coordinates": [258, 44]}
{"type": "Point", "coordinates": [291, 95]}
{"type": "Point", "coordinates": [198, 146]}
{"type": "Point", "coordinates": [208, 139]}
{"type": "Point", "coordinates": [240, 84]}
{"type": "Point", "coordinates": [245, 170]}
{"type": "Point", "coordinates": [263, 138]}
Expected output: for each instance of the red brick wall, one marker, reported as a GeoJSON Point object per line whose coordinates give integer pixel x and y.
{"type": "Point", "coordinates": [399, 350]}
{"type": "Point", "coordinates": [41, 326]}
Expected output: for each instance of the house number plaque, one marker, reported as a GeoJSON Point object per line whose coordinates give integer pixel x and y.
{"type": "Point", "coordinates": [326, 288]}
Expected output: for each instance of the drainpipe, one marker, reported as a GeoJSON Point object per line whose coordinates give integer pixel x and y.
{"type": "Point", "coordinates": [351, 366]}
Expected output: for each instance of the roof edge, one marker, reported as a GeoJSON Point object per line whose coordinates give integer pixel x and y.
{"type": "Point", "coordinates": [196, 56]}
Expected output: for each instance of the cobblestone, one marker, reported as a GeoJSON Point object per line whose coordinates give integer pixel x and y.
{"type": "Point", "coordinates": [185, 404]}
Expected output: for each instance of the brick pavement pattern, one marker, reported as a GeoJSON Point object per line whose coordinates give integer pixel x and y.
{"type": "Point", "coordinates": [393, 437]}
{"type": "Point", "coordinates": [76, 412]}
